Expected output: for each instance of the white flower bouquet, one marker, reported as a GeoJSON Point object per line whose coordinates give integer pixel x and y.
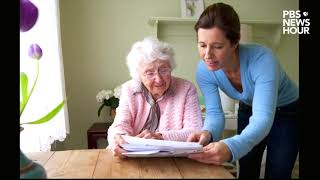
{"type": "Point", "coordinates": [108, 98]}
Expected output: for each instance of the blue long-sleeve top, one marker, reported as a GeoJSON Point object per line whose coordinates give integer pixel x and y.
{"type": "Point", "coordinates": [265, 86]}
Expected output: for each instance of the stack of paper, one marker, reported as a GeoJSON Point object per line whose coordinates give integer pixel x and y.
{"type": "Point", "coordinates": [140, 147]}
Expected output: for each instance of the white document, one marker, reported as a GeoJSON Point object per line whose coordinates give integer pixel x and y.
{"type": "Point", "coordinates": [140, 147]}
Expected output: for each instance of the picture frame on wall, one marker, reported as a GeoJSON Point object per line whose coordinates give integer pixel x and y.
{"type": "Point", "coordinates": [191, 8]}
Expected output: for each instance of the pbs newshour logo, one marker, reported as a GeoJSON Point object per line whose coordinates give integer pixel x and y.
{"type": "Point", "coordinates": [295, 22]}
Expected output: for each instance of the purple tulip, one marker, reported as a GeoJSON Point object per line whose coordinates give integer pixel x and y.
{"type": "Point", "coordinates": [35, 51]}
{"type": "Point", "coordinates": [28, 15]}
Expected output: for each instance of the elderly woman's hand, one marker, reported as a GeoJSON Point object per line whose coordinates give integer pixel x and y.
{"type": "Point", "coordinates": [202, 137]}
{"type": "Point", "coordinates": [214, 153]}
{"type": "Point", "coordinates": [117, 150]}
{"type": "Point", "coordinates": [150, 135]}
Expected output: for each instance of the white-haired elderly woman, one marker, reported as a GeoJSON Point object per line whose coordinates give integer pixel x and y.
{"type": "Point", "coordinates": [154, 104]}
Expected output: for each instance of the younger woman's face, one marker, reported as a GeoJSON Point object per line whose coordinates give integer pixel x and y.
{"type": "Point", "coordinates": [214, 48]}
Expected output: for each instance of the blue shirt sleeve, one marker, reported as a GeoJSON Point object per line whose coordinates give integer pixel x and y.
{"type": "Point", "coordinates": [214, 120]}
{"type": "Point", "coordinates": [265, 73]}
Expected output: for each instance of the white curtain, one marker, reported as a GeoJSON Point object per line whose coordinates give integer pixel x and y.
{"type": "Point", "coordinates": [50, 89]}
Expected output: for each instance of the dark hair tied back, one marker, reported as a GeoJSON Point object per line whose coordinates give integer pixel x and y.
{"type": "Point", "coordinates": [224, 17]}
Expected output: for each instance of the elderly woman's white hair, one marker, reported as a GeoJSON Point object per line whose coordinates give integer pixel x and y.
{"type": "Point", "coordinates": [147, 51]}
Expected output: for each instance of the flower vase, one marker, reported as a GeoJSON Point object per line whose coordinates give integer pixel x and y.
{"type": "Point", "coordinates": [113, 113]}
{"type": "Point", "coordinates": [30, 169]}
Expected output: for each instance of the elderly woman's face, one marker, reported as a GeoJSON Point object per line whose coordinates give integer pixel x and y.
{"type": "Point", "coordinates": [156, 77]}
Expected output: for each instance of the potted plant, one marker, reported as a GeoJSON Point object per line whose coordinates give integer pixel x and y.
{"type": "Point", "coordinates": [110, 99]}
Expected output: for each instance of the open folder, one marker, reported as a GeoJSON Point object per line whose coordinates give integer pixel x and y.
{"type": "Point", "coordinates": [140, 147]}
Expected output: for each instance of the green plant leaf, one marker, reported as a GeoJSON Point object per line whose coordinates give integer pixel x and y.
{"type": "Point", "coordinates": [107, 102]}
{"type": "Point", "coordinates": [114, 102]}
{"type": "Point", "coordinates": [23, 89]}
{"type": "Point", "coordinates": [29, 94]}
{"type": "Point", "coordinates": [99, 110]}
{"type": "Point", "coordinates": [49, 116]}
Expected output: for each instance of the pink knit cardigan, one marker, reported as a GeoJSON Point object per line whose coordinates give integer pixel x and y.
{"type": "Point", "coordinates": [180, 111]}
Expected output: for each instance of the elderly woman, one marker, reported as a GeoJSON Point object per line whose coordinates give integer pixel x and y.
{"type": "Point", "coordinates": [154, 104]}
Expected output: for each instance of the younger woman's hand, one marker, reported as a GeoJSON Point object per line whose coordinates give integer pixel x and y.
{"type": "Point", "coordinates": [202, 137]}
{"type": "Point", "coordinates": [214, 153]}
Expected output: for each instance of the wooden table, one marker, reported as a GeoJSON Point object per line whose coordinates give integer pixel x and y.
{"type": "Point", "coordinates": [100, 163]}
